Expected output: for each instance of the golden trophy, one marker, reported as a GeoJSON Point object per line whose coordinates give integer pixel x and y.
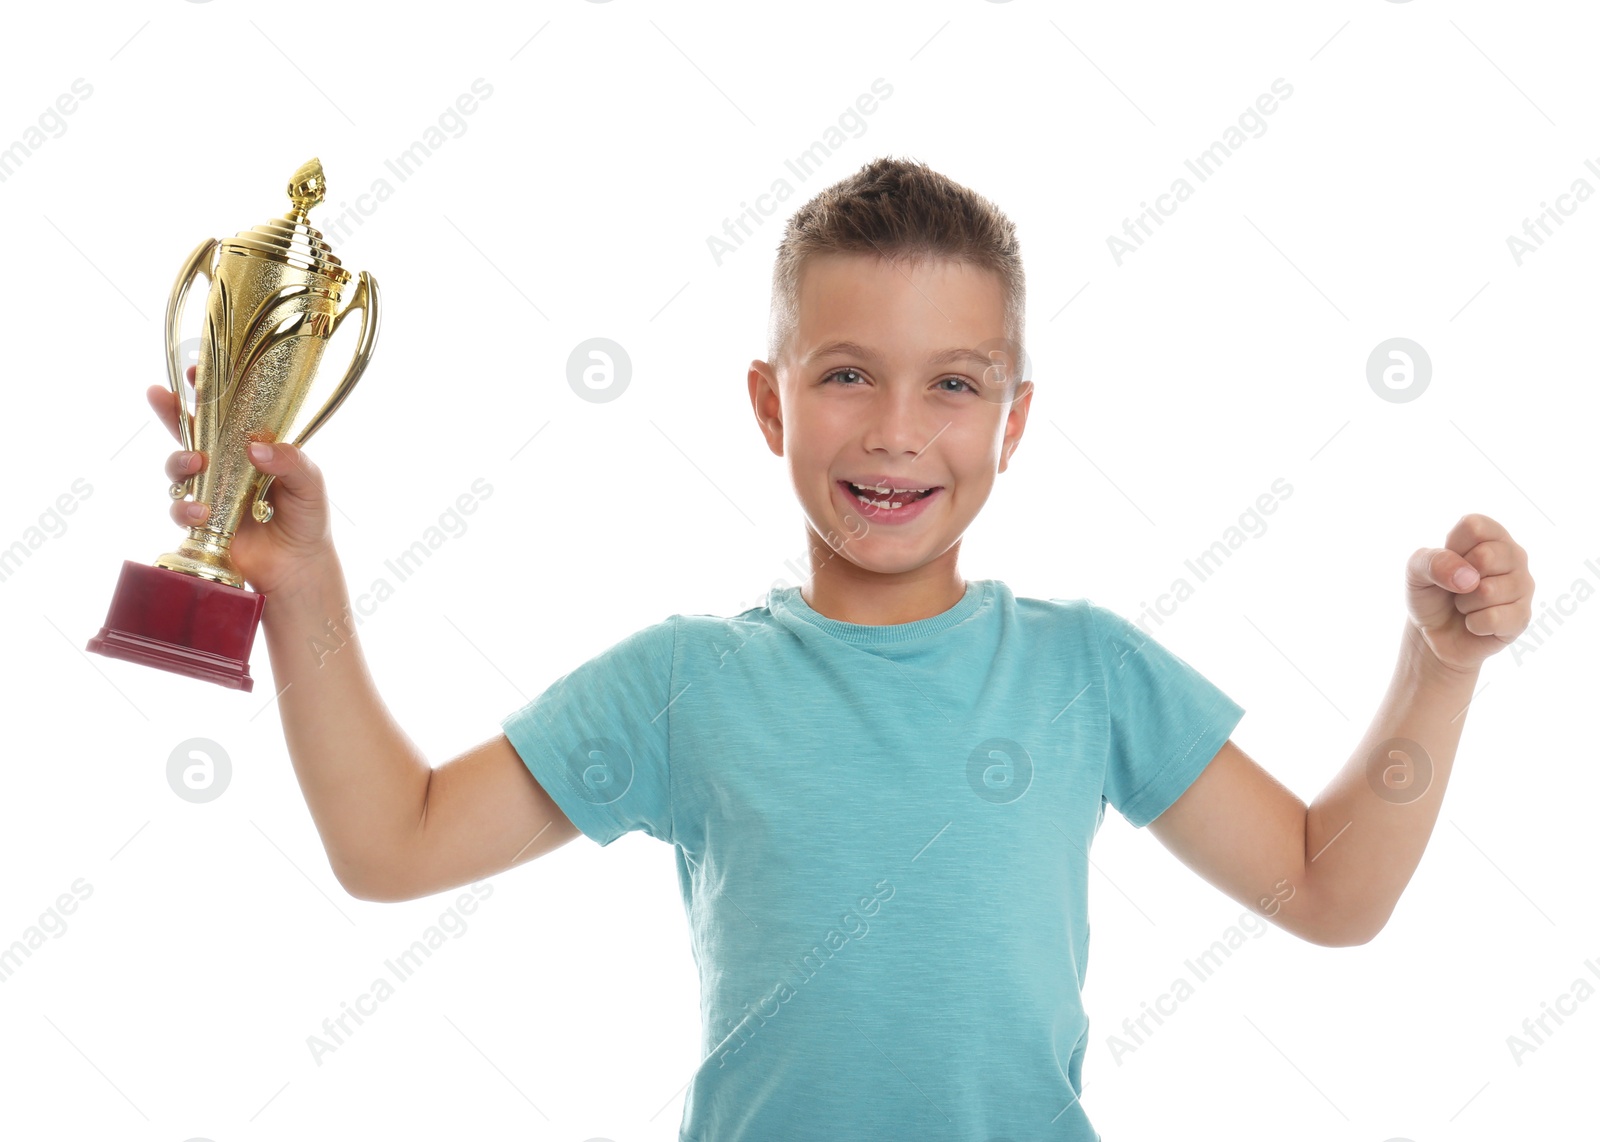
{"type": "Point", "coordinates": [277, 294]}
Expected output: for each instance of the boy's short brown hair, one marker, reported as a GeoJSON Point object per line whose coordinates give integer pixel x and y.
{"type": "Point", "coordinates": [900, 209]}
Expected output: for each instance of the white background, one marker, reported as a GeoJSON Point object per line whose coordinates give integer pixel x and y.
{"type": "Point", "coordinates": [1172, 391]}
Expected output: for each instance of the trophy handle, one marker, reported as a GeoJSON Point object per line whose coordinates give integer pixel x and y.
{"type": "Point", "coordinates": [366, 300]}
{"type": "Point", "coordinates": [199, 264]}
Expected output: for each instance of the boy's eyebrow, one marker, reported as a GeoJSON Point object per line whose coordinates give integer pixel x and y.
{"type": "Point", "coordinates": [855, 349]}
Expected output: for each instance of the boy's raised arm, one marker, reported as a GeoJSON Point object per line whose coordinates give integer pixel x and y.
{"type": "Point", "coordinates": [1333, 873]}
{"type": "Point", "coordinates": [393, 827]}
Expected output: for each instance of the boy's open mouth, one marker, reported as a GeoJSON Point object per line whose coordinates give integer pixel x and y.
{"type": "Point", "coordinates": [883, 498]}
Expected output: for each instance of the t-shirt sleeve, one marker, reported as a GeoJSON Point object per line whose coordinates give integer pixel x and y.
{"type": "Point", "coordinates": [1167, 720]}
{"type": "Point", "coordinates": [597, 738]}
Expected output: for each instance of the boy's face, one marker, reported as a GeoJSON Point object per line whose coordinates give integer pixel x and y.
{"type": "Point", "coordinates": [887, 406]}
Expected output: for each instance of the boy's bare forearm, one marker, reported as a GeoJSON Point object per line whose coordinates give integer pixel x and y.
{"type": "Point", "coordinates": [1365, 832]}
{"type": "Point", "coordinates": [363, 779]}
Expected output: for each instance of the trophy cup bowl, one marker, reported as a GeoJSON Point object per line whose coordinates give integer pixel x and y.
{"type": "Point", "coordinates": [277, 294]}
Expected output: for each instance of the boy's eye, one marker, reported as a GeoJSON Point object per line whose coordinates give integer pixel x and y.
{"type": "Point", "coordinates": [853, 375]}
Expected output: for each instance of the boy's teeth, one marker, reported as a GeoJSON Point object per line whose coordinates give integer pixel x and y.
{"type": "Point", "coordinates": [893, 497]}
{"type": "Point", "coordinates": [883, 490]}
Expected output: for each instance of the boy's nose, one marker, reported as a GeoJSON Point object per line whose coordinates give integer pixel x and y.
{"type": "Point", "coordinates": [898, 422]}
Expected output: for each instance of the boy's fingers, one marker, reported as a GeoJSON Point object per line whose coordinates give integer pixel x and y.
{"type": "Point", "coordinates": [291, 468]}
{"type": "Point", "coordinates": [181, 465]}
{"type": "Point", "coordinates": [166, 403]}
{"type": "Point", "coordinates": [179, 511]}
{"type": "Point", "coordinates": [160, 398]}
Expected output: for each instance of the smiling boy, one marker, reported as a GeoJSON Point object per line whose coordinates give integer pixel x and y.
{"type": "Point", "coordinates": [882, 786]}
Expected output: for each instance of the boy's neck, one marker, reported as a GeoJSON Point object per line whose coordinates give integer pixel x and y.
{"type": "Point", "coordinates": [840, 590]}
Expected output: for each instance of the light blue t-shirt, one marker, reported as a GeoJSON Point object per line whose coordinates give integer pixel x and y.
{"type": "Point", "coordinates": [881, 836]}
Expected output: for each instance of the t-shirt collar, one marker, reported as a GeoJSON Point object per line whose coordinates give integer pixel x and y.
{"type": "Point", "coordinates": [789, 599]}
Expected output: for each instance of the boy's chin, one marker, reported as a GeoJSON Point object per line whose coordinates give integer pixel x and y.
{"type": "Point", "coordinates": [884, 562]}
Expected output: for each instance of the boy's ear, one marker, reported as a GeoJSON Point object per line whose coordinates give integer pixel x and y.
{"type": "Point", "coordinates": [1016, 421]}
{"type": "Point", "coordinates": [765, 404]}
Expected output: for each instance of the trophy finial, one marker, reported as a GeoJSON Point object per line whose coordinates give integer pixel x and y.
{"type": "Point", "coordinates": [306, 188]}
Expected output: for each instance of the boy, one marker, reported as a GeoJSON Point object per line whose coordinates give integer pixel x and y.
{"type": "Point", "coordinates": [882, 785]}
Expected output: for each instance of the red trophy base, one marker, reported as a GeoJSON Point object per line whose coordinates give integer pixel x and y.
{"type": "Point", "coordinates": [182, 623]}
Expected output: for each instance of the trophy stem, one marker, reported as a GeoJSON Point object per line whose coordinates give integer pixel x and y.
{"type": "Point", "coordinates": [204, 553]}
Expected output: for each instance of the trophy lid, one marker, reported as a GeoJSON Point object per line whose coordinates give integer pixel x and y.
{"type": "Point", "coordinates": [292, 239]}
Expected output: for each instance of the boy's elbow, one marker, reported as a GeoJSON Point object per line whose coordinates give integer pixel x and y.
{"type": "Point", "coordinates": [364, 885]}
{"type": "Point", "coordinates": [361, 890]}
{"type": "Point", "coordinates": [1364, 935]}
{"type": "Point", "coordinates": [1329, 938]}
{"type": "Point", "coordinates": [1342, 939]}
{"type": "Point", "coordinates": [1345, 934]}
{"type": "Point", "coordinates": [1337, 920]}
{"type": "Point", "coordinates": [378, 894]}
